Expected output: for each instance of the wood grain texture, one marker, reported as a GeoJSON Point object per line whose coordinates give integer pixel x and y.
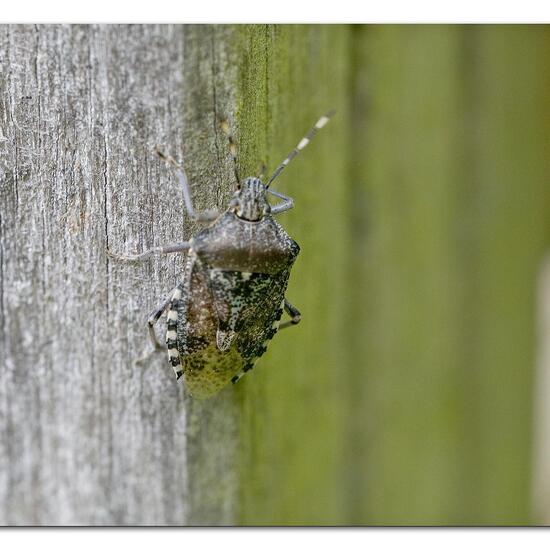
{"type": "Point", "coordinates": [405, 394]}
{"type": "Point", "coordinates": [88, 437]}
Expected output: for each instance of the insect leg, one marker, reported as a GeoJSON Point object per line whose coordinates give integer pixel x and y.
{"type": "Point", "coordinates": [167, 249]}
{"type": "Point", "coordinates": [286, 204]}
{"type": "Point", "coordinates": [295, 315]}
{"type": "Point", "coordinates": [206, 215]}
{"type": "Point", "coordinates": [152, 320]}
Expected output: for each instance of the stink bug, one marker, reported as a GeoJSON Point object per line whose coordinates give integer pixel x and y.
{"type": "Point", "coordinates": [229, 303]}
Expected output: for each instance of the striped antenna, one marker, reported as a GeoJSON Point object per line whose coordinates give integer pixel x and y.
{"type": "Point", "coordinates": [303, 143]}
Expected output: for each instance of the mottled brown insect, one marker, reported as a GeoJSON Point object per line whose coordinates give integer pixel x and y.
{"type": "Point", "coordinates": [229, 303]}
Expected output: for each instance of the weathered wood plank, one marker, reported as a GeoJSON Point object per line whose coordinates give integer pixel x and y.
{"type": "Point", "coordinates": [86, 436]}
{"type": "Point", "coordinates": [404, 396]}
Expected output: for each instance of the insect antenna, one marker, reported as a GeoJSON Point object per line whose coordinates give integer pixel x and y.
{"type": "Point", "coordinates": [205, 216]}
{"type": "Point", "coordinates": [224, 125]}
{"type": "Point", "coordinates": [182, 176]}
{"type": "Point", "coordinates": [303, 143]}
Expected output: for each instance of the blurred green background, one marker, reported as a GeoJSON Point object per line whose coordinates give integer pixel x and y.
{"type": "Point", "coordinates": [406, 395]}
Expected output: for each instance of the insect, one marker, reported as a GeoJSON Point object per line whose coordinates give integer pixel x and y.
{"type": "Point", "coordinates": [230, 300]}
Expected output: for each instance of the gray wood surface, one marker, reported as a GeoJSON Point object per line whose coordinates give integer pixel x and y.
{"type": "Point", "coordinates": [86, 436]}
{"type": "Point", "coordinates": [405, 395]}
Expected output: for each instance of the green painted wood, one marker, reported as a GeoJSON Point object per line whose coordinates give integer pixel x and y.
{"type": "Point", "coordinates": [513, 126]}
{"type": "Point", "coordinates": [454, 128]}
{"type": "Point", "coordinates": [293, 459]}
{"type": "Point", "coordinates": [408, 308]}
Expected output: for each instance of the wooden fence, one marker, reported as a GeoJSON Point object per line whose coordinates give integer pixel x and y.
{"type": "Point", "coordinates": [404, 396]}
